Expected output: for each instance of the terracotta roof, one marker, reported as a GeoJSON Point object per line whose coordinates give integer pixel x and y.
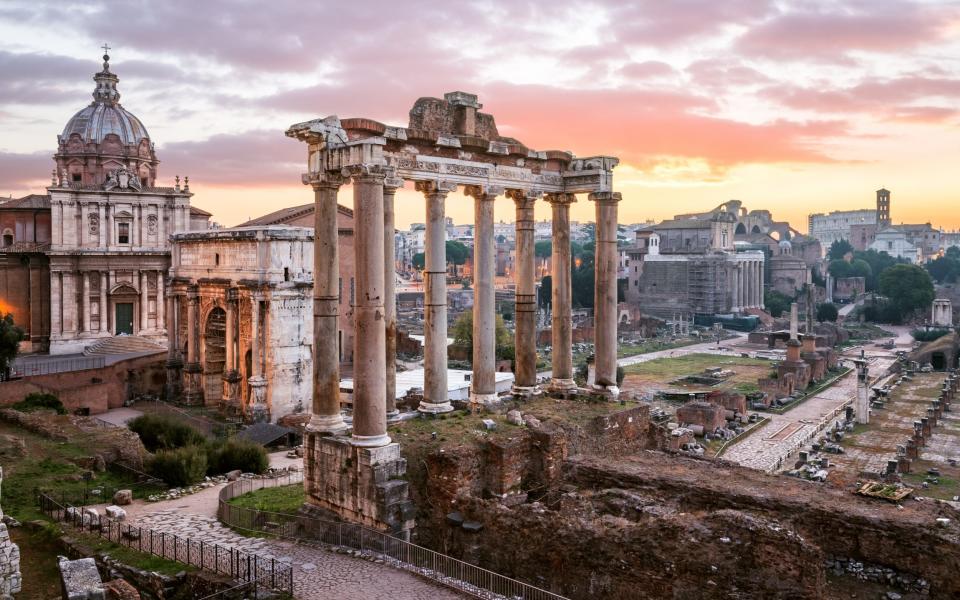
{"type": "Point", "coordinates": [30, 201]}
{"type": "Point", "coordinates": [285, 215]}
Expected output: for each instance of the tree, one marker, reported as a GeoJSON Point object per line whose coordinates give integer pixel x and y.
{"type": "Point", "coordinates": [418, 261]}
{"type": "Point", "coordinates": [827, 312]}
{"type": "Point", "coordinates": [879, 262]}
{"type": "Point", "coordinates": [546, 292]}
{"type": "Point", "coordinates": [776, 303]}
{"type": "Point", "coordinates": [462, 332]}
{"type": "Point", "coordinates": [10, 338]}
{"type": "Point", "coordinates": [839, 268]}
{"type": "Point", "coordinates": [908, 287]}
{"type": "Point", "coordinates": [944, 269]}
{"type": "Point", "coordinates": [543, 249]}
{"type": "Point", "coordinates": [457, 252]}
{"type": "Point", "coordinates": [839, 249]}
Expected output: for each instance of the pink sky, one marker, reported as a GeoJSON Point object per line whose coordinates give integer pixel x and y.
{"type": "Point", "coordinates": [792, 107]}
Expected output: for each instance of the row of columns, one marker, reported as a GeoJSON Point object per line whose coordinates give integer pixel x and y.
{"type": "Point", "coordinates": [747, 286]}
{"type": "Point", "coordinates": [63, 290]}
{"type": "Point", "coordinates": [374, 187]}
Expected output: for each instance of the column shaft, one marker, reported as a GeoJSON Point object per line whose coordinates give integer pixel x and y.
{"type": "Point", "coordinates": [760, 302]}
{"type": "Point", "coordinates": [389, 292]}
{"type": "Point", "coordinates": [56, 304]}
{"type": "Point", "coordinates": [483, 388]}
{"type": "Point", "coordinates": [104, 312]}
{"type": "Point", "coordinates": [561, 296]}
{"type": "Point", "coordinates": [326, 309]}
{"type": "Point", "coordinates": [605, 292]}
{"type": "Point", "coordinates": [161, 318]}
{"type": "Point", "coordinates": [254, 335]}
{"type": "Point", "coordinates": [369, 344]}
{"type": "Point", "coordinates": [193, 326]}
{"type": "Point", "coordinates": [435, 399]}
{"type": "Point", "coordinates": [86, 302]}
{"type": "Point", "coordinates": [230, 336]}
{"type": "Point", "coordinates": [525, 344]}
{"type": "Point", "coordinates": [144, 301]}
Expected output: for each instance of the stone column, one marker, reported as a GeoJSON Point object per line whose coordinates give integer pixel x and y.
{"type": "Point", "coordinates": [193, 391]}
{"type": "Point", "coordinates": [794, 321]}
{"type": "Point", "coordinates": [525, 319]}
{"type": "Point", "coordinates": [102, 233]}
{"type": "Point", "coordinates": [231, 376]}
{"type": "Point", "coordinates": [258, 383]}
{"type": "Point", "coordinates": [161, 320]}
{"type": "Point", "coordinates": [144, 302]}
{"type": "Point", "coordinates": [390, 186]}
{"type": "Point", "coordinates": [174, 364]}
{"type": "Point", "coordinates": [605, 294]}
{"type": "Point", "coordinates": [369, 342]}
{"type": "Point", "coordinates": [435, 298]}
{"type": "Point", "coordinates": [56, 304]}
{"type": "Point", "coordinates": [161, 226]}
{"type": "Point", "coordinates": [735, 287]}
{"type": "Point", "coordinates": [757, 278]}
{"type": "Point", "coordinates": [751, 274]}
{"type": "Point", "coordinates": [561, 296]}
{"type": "Point", "coordinates": [86, 301]}
{"type": "Point", "coordinates": [483, 388]}
{"type": "Point", "coordinates": [104, 310]}
{"type": "Point", "coordinates": [326, 416]}
{"type": "Point", "coordinates": [193, 327]}
{"type": "Point", "coordinates": [69, 299]}
{"type": "Point", "coordinates": [231, 337]}
{"type": "Point", "coordinates": [760, 302]}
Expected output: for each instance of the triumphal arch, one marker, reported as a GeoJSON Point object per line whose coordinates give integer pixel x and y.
{"type": "Point", "coordinates": [448, 144]}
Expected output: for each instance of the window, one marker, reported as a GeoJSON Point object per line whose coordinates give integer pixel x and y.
{"type": "Point", "coordinates": [7, 238]}
{"type": "Point", "coordinates": [77, 177]}
{"type": "Point", "coordinates": [123, 233]}
{"type": "Point", "coordinates": [286, 273]}
{"type": "Point", "coordinates": [216, 259]}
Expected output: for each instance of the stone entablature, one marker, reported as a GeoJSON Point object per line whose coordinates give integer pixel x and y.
{"type": "Point", "coordinates": [237, 303]}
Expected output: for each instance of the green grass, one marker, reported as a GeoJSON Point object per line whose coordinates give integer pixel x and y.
{"type": "Point", "coordinates": [284, 499]}
{"type": "Point", "coordinates": [625, 350]}
{"type": "Point", "coordinates": [134, 558]}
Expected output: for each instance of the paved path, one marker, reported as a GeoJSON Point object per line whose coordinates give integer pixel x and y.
{"type": "Point", "coordinates": [319, 574]}
{"type": "Point", "coordinates": [767, 449]}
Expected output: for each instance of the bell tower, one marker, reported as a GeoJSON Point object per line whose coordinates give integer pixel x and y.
{"type": "Point", "coordinates": [883, 208]}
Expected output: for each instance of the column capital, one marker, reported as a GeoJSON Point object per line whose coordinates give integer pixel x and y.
{"type": "Point", "coordinates": [520, 195]}
{"type": "Point", "coordinates": [392, 182]}
{"type": "Point", "coordinates": [366, 172]}
{"type": "Point", "coordinates": [483, 192]}
{"type": "Point", "coordinates": [323, 179]}
{"type": "Point", "coordinates": [440, 186]}
{"type": "Point", "coordinates": [606, 197]}
{"type": "Point", "coordinates": [560, 198]}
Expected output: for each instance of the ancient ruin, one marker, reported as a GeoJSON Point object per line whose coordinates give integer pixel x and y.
{"type": "Point", "coordinates": [448, 143]}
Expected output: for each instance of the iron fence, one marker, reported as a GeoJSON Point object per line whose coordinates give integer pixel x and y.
{"type": "Point", "coordinates": [240, 566]}
{"type": "Point", "coordinates": [449, 571]}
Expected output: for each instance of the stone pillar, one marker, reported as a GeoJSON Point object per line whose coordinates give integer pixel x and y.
{"type": "Point", "coordinates": [231, 376]}
{"type": "Point", "coordinates": [435, 398]}
{"type": "Point", "coordinates": [69, 299]}
{"type": "Point", "coordinates": [390, 186]}
{"type": "Point", "coordinates": [104, 310]}
{"type": "Point", "coordinates": [561, 330]}
{"type": "Point", "coordinates": [144, 302]}
{"type": "Point", "coordinates": [161, 318]}
{"type": "Point", "coordinates": [193, 392]}
{"type": "Point", "coordinates": [174, 365]}
{"type": "Point", "coordinates": [760, 277]}
{"type": "Point", "coordinates": [56, 304]}
{"type": "Point", "coordinates": [258, 383]}
{"type": "Point", "coordinates": [192, 327]}
{"type": "Point", "coordinates": [605, 294]}
{"type": "Point", "coordinates": [86, 301]}
{"type": "Point", "coordinates": [483, 388]}
{"type": "Point", "coordinates": [102, 233]}
{"type": "Point", "coordinates": [525, 343]}
{"type": "Point", "coordinates": [369, 342]}
{"type": "Point", "coordinates": [326, 416]}
{"type": "Point", "coordinates": [794, 321]}
{"type": "Point", "coordinates": [735, 287]}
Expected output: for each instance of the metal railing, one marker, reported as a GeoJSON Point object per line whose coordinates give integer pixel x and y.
{"type": "Point", "coordinates": [28, 368]}
{"type": "Point", "coordinates": [446, 570]}
{"type": "Point", "coordinates": [240, 566]}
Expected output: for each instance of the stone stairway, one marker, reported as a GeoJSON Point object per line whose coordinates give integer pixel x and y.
{"type": "Point", "coordinates": [122, 344]}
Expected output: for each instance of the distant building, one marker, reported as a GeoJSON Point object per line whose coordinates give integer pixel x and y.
{"type": "Point", "coordinates": [859, 227]}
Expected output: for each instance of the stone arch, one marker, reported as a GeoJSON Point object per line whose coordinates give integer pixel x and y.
{"type": "Point", "coordinates": [741, 229]}
{"type": "Point", "coordinates": [214, 353]}
{"type": "Point", "coordinates": [756, 229]}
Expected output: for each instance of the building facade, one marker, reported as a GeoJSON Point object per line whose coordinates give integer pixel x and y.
{"type": "Point", "coordinates": [25, 268]}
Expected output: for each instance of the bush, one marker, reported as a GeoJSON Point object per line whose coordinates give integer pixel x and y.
{"type": "Point", "coordinates": [620, 375]}
{"type": "Point", "coordinates": [40, 401]}
{"type": "Point", "coordinates": [235, 454]}
{"type": "Point", "coordinates": [827, 312]}
{"type": "Point", "coordinates": [581, 373]}
{"type": "Point", "coordinates": [159, 432]}
{"type": "Point", "coordinates": [928, 335]}
{"type": "Point", "coordinates": [180, 467]}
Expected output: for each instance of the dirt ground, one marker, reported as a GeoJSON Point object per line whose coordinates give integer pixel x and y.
{"type": "Point", "coordinates": [661, 375]}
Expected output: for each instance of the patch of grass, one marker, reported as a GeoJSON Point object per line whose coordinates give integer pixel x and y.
{"type": "Point", "coordinates": [134, 558]}
{"type": "Point", "coordinates": [654, 345]}
{"type": "Point", "coordinates": [284, 499]}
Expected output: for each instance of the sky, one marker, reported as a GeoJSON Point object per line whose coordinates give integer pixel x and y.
{"type": "Point", "coordinates": [793, 107]}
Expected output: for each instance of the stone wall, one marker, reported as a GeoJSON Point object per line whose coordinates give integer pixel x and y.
{"type": "Point", "coordinates": [9, 560]}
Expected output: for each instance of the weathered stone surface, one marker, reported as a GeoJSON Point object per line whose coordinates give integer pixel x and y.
{"type": "Point", "coordinates": [119, 589]}
{"type": "Point", "coordinates": [116, 513]}
{"type": "Point", "coordinates": [81, 580]}
{"type": "Point", "coordinates": [123, 497]}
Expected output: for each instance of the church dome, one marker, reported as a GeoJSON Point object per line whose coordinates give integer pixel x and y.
{"type": "Point", "coordinates": [105, 115]}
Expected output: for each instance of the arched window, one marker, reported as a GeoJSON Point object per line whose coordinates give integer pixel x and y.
{"type": "Point", "coordinates": [7, 238]}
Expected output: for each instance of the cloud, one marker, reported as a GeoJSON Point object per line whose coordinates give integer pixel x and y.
{"type": "Point", "coordinates": [649, 69]}
{"type": "Point", "coordinates": [250, 158]}
{"type": "Point", "coordinates": [21, 172]}
{"type": "Point", "coordinates": [724, 73]}
{"type": "Point", "coordinates": [657, 23]}
{"type": "Point", "coordinates": [871, 95]}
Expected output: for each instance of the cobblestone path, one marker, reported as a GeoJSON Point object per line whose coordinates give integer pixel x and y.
{"type": "Point", "coordinates": [319, 574]}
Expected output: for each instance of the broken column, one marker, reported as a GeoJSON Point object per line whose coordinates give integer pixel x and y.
{"type": "Point", "coordinates": [525, 344]}
{"type": "Point", "coordinates": [794, 320]}
{"type": "Point", "coordinates": [483, 385]}
{"type": "Point", "coordinates": [561, 333]}
{"type": "Point", "coordinates": [863, 392]}
{"type": "Point", "coordinates": [605, 293]}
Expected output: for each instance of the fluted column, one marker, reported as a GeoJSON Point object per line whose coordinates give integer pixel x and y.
{"type": "Point", "coordinates": [525, 343]}
{"type": "Point", "coordinates": [144, 301]}
{"type": "Point", "coordinates": [755, 300]}
{"type": "Point", "coordinates": [161, 318]}
{"type": "Point", "coordinates": [369, 343]}
{"type": "Point", "coordinates": [326, 416]}
{"type": "Point", "coordinates": [605, 293]}
{"type": "Point", "coordinates": [760, 302]}
{"type": "Point", "coordinates": [390, 186]}
{"type": "Point", "coordinates": [193, 304]}
{"type": "Point", "coordinates": [435, 398]}
{"type": "Point", "coordinates": [104, 311]}
{"type": "Point", "coordinates": [102, 231]}
{"type": "Point", "coordinates": [561, 296]}
{"type": "Point", "coordinates": [86, 301]}
{"type": "Point", "coordinates": [56, 304]}
{"type": "Point", "coordinates": [734, 286]}
{"type": "Point", "coordinates": [483, 385]}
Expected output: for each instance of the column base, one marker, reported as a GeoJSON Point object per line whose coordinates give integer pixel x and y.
{"type": "Point", "coordinates": [561, 386]}
{"type": "Point", "coordinates": [610, 391]}
{"type": "Point", "coordinates": [525, 391]}
{"type": "Point", "coordinates": [478, 401]}
{"type": "Point", "coordinates": [257, 411]}
{"type": "Point", "coordinates": [430, 408]}
{"type": "Point", "coordinates": [369, 441]}
{"type": "Point", "coordinates": [326, 424]}
{"type": "Point", "coordinates": [393, 416]}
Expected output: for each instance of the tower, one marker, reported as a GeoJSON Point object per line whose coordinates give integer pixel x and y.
{"type": "Point", "coordinates": [883, 208]}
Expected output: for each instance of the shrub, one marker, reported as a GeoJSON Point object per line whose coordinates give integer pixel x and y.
{"type": "Point", "coordinates": [40, 401]}
{"type": "Point", "coordinates": [179, 467]}
{"type": "Point", "coordinates": [581, 374]}
{"type": "Point", "coordinates": [620, 375]}
{"type": "Point", "coordinates": [827, 312]}
{"type": "Point", "coordinates": [928, 335]}
{"type": "Point", "coordinates": [235, 454]}
{"type": "Point", "coordinates": [159, 432]}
